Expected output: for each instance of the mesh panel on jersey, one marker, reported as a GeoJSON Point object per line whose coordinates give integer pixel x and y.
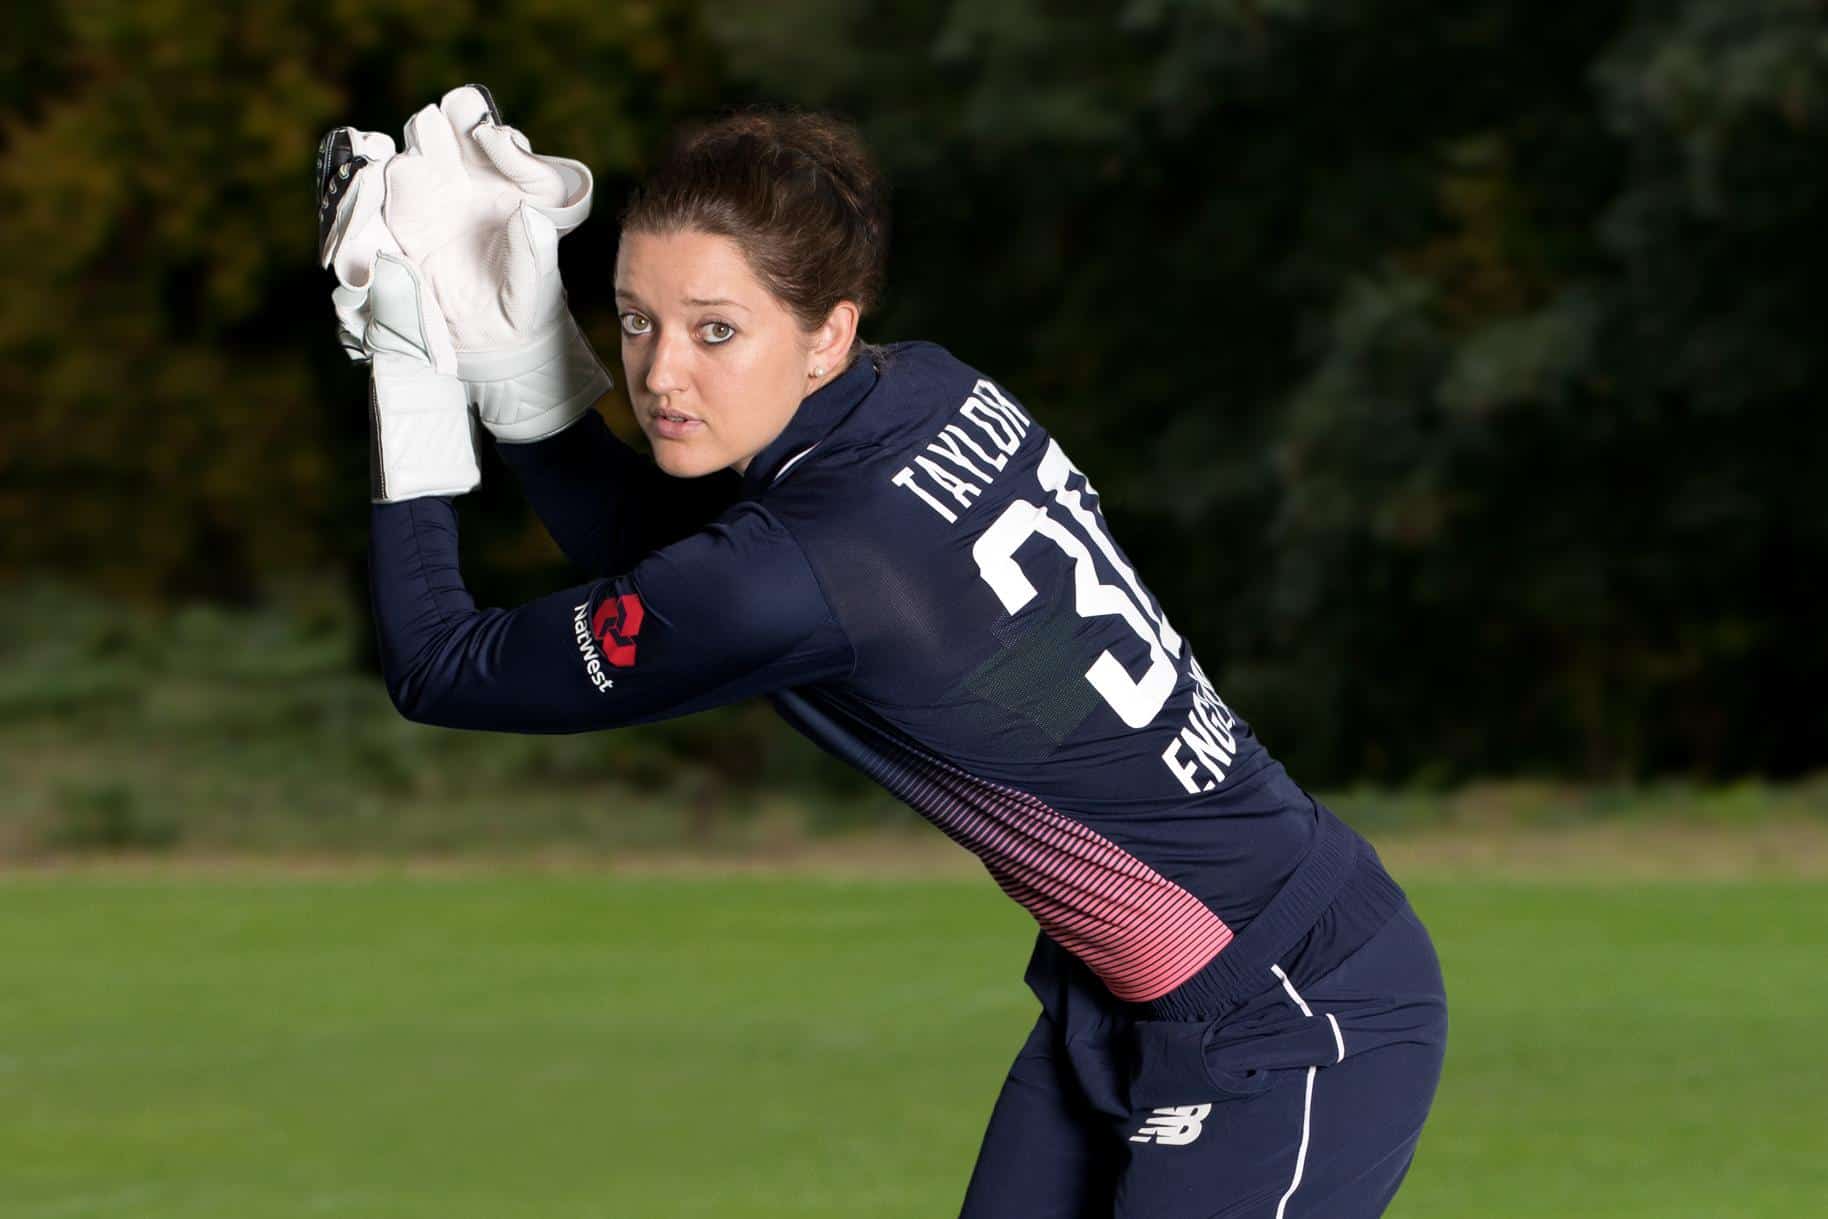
{"type": "Point", "coordinates": [1039, 672]}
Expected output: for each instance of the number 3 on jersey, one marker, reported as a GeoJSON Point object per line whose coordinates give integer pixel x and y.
{"type": "Point", "coordinates": [1136, 701]}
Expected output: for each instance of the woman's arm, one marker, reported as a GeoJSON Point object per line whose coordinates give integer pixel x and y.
{"type": "Point", "coordinates": [724, 614]}
{"type": "Point", "coordinates": [605, 504]}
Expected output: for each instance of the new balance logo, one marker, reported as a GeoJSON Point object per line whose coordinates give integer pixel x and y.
{"type": "Point", "coordinates": [1173, 1127]}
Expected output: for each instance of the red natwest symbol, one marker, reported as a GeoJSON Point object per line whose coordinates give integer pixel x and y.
{"type": "Point", "coordinates": [617, 622]}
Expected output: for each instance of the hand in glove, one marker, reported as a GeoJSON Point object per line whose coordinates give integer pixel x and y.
{"type": "Point", "coordinates": [471, 206]}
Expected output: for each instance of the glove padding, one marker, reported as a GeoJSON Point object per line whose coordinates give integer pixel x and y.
{"type": "Point", "coordinates": [470, 205]}
{"type": "Point", "coordinates": [423, 442]}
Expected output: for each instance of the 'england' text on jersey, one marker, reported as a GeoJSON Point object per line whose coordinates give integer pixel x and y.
{"type": "Point", "coordinates": [1207, 736]}
{"type": "Point", "coordinates": [989, 427]}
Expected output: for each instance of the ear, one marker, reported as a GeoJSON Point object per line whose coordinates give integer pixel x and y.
{"type": "Point", "coordinates": [831, 342]}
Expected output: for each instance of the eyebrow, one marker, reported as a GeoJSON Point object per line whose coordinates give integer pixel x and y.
{"type": "Point", "coordinates": [624, 294]}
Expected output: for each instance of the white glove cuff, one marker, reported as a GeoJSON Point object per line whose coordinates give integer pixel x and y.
{"type": "Point", "coordinates": [536, 391]}
{"type": "Point", "coordinates": [423, 442]}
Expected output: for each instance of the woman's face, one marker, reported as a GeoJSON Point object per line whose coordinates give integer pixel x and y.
{"type": "Point", "coordinates": [716, 364]}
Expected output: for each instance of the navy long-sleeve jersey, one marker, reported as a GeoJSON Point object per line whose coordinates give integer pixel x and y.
{"type": "Point", "coordinates": [920, 579]}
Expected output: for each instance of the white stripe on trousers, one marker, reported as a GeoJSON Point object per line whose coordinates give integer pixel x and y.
{"type": "Point", "coordinates": [1301, 1157]}
{"type": "Point", "coordinates": [1307, 1099]}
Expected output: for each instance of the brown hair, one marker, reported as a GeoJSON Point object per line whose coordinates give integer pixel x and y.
{"type": "Point", "coordinates": [798, 193]}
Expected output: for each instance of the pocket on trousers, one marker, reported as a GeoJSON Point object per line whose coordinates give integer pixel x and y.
{"type": "Point", "coordinates": [1244, 1052]}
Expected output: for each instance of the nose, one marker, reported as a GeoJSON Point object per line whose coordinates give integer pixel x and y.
{"type": "Point", "coordinates": [666, 368]}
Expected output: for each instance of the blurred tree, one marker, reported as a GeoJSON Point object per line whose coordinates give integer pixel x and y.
{"type": "Point", "coordinates": [1555, 467]}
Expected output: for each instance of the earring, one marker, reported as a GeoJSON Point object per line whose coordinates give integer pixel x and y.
{"type": "Point", "coordinates": [819, 371]}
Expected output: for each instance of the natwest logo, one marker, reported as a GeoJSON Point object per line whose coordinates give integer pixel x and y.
{"type": "Point", "coordinates": [617, 622]}
{"type": "Point", "coordinates": [612, 629]}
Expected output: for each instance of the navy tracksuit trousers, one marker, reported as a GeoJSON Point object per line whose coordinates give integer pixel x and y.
{"type": "Point", "coordinates": [1305, 1100]}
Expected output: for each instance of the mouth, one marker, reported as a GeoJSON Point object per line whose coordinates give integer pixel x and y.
{"type": "Point", "coordinates": [674, 425]}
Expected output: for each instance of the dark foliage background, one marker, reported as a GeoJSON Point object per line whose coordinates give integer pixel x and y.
{"type": "Point", "coordinates": [1450, 371]}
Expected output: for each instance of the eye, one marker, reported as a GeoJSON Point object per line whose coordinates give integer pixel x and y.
{"type": "Point", "coordinates": [634, 324]}
{"type": "Point", "coordinates": [719, 332]}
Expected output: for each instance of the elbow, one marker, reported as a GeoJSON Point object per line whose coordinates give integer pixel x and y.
{"type": "Point", "coordinates": [423, 677]}
{"type": "Point", "coordinates": [413, 697]}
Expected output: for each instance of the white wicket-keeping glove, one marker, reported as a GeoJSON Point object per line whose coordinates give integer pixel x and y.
{"type": "Point", "coordinates": [480, 215]}
{"type": "Point", "coordinates": [422, 438]}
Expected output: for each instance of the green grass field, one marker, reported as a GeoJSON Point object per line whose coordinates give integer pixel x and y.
{"type": "Point", "coordinates": [375, 1043]}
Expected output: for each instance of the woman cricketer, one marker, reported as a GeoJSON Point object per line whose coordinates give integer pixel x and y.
{"type": "Point", "coordinates": [1241, 1015]}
